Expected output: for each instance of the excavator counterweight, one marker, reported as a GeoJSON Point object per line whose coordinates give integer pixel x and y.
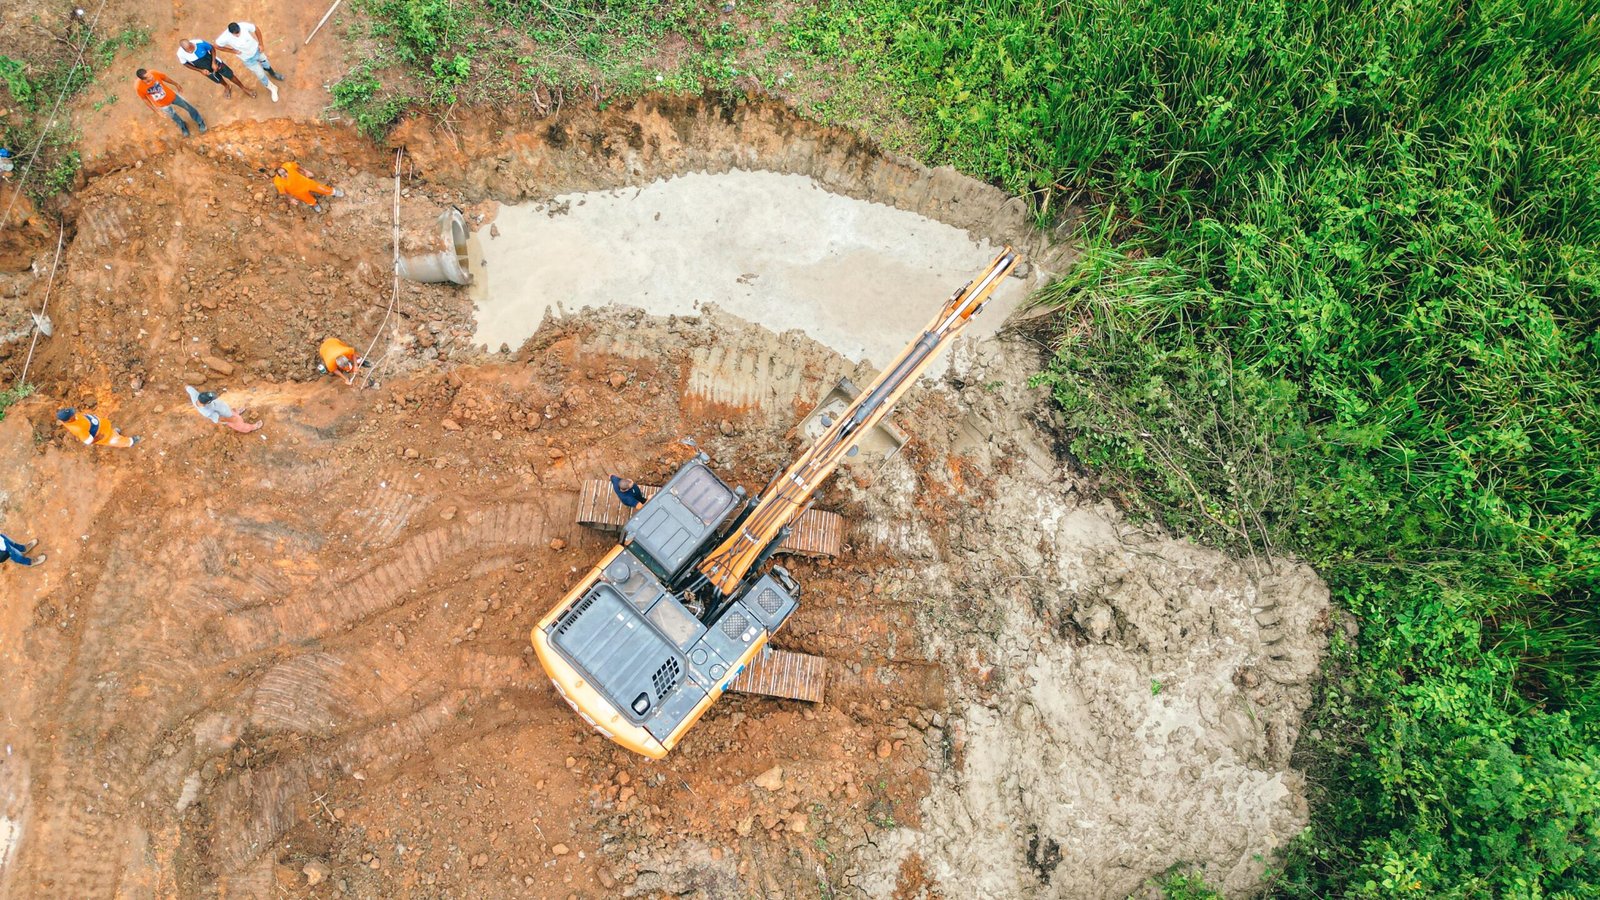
{"type": "Point", "coordinates": [660, 627]}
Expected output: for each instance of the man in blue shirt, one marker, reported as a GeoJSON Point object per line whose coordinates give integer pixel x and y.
{"type": "Point", "coordinates": [202, 57]}
{"type": "Point", "coordinates": [626, 491]}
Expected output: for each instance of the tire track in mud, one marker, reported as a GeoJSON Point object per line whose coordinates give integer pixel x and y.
{"type": "Point", "coordinates": [200, 649]}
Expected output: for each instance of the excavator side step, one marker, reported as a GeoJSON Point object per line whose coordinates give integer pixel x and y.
{"type": "Point", "coordinates": [815, 533]}
{"type": "Point", "coordinates": [780, 673]}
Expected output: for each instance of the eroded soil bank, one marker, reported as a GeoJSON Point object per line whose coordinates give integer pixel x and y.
{"type": "Point", "coordinates": [300, 656]}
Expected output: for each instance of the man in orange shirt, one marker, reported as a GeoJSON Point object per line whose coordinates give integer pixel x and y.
{"type": "Point", "coordinates": [340, 359]}
{"type": "Point", "coordinates": [91, 430]}
{"type": "Point", "coordinates": [293, 181]}
{"type": "Point", "coordinates": [160, 93]}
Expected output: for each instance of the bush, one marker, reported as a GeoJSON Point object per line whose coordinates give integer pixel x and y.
{"type": "Point", "coordinates": [11, 395]}
{"type": "Point", "coordinates": [372, 108]}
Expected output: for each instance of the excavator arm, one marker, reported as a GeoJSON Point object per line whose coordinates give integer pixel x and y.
{"type": "Point", "coordinates": [727, 566]}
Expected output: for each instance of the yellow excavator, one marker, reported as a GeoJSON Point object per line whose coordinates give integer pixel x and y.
{"type": "Point", "coordinates": [651, 636]}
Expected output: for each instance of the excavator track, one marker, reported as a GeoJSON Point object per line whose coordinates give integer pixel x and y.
{"type": "Point", "coordinates": [785, 674]}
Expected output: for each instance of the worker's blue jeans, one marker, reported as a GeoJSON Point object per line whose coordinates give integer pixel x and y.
{"type": "Point", "coordinates": [178, 101]}
{"type": "Point", "coordinates": [14, 551]}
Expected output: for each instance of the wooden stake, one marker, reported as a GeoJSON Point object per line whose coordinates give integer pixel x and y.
{"type": "Point", "coordinates": [324, 21]}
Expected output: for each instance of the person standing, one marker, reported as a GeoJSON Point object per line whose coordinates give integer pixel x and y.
{"type": "Point", "coordinates": [244, 40]}
{"type": "Point", "coordinates": [221, 413]}
{"type": "Point", "coordinates": [160, 93]}
{"type": "Point", "coordinates": [627, 491]}
{"type": "Point", "coordinates": [6, 165]}
{"type": "Point", "coordinates": [339, 359]}
{"type": "Point", "coordinates": [89, 429]}
{"type": "Point", "coordinates": [11, 551]}
{"type": "Point", "coordinates": [293, 181]}
{"type": "Point", "coordinates": [202, 57]}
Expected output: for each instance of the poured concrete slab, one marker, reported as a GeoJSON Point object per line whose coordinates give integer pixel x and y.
{"type": "Point", "coordinates": [778, 250]}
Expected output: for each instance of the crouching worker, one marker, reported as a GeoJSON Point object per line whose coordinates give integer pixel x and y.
{"type": "Point", "coordinates": [340, 359]}
{"type": "Point", "coordinates": [208, 405]}
{"type": "Point", "coordinates": [91, 430]}
{"type": "Point", "coordinates": [293, 181]}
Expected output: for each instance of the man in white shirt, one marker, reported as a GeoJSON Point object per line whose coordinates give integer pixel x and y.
{"type": "Point", "coordinates": [245, 41]}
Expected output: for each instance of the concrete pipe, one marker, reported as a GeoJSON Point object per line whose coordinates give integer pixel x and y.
{"type": "Point", "coordinates": [448, 264]}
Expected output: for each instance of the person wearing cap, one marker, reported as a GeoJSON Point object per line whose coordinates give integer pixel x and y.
{"type": "Point", "coordinates": [6, 165]}
{"type": "Point", "coordinates": [627, 491]}
{"type": "Point", "coordinates": [202, 57]}
{"type": "Point", "coordinates": [208, 405]}
{"type": "Point", "coordinates": [11, 551]}
{"type": "Point", "coordinates": [89, 429]}
{"type": "Point", "coordinates": [244, 40]}
{"type": "Point", "coordinates": [160, 93]}
{"type": "Point", "coordinates": [339, 359]}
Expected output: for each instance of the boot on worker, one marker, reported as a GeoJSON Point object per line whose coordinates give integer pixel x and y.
{"type": "Point", "coordinates": [340, 360]}
{"type": "Point", "coordinates": [90, 430]}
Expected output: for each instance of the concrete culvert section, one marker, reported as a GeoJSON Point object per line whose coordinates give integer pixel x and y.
{"type": "Point", "coordinates": [776, 249]}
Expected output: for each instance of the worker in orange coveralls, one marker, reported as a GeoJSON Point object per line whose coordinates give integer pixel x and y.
{"type": "Point", "coordinates": [293, 181]}
{"type": "Point", "coordinates": [339, 358]}
{"type": "Point", "coordinates": [91, 430]}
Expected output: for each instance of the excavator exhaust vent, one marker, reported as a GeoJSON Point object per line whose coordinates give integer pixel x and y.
{"type": "Point", "coordinates": [666, 678]}
{"type": "Point", "coordinates": [769, 601]}
{"type": "Point", "coordinates": [573, 615]}
{"type": "Point", "coordinates": [734, 624]}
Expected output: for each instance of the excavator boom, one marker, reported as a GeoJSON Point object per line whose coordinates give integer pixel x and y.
{"type": "Point", "coordinates": [788, 495]}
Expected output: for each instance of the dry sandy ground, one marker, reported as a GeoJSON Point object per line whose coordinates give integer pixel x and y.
{"type": "Point", "coordinates": [296, 662]}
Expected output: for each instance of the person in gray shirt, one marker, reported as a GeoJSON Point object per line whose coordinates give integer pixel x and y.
{"type": "Point", "coordinates": [209, 406]}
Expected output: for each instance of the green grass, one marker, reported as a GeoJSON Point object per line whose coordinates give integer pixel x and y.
{"type": "Point", "coordinates": [437, 54]}
{"type": "Point", "coordinates": [10, 396]}
{"type": "Point", "coordinates": [1337, 300]}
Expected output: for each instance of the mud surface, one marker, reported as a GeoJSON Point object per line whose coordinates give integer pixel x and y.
{"type": "Point", "coordinates": [774, 249]}
{"type": "Point", "coordinates": [296, 662]}
{"type": "Point", "coordinates": [1130, 701]}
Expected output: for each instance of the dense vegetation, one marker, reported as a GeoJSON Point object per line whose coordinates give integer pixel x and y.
{"type": "Point", "coordinates": [1338, 299]}
{"type": "Point", "coordinates": [1341, 300]}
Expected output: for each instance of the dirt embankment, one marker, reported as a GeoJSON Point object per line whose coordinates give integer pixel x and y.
{"type": "Point", "coordinates": [296, 662]}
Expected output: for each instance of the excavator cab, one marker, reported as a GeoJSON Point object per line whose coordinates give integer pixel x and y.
{"type": "Point", "coordinates": [636, 642]}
